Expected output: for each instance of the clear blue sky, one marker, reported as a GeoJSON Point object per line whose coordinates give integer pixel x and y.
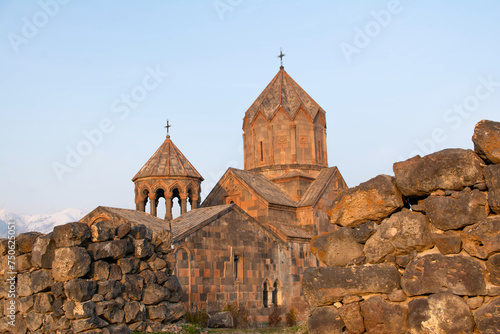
{"type": "Point", "coordinates": [389, 74]}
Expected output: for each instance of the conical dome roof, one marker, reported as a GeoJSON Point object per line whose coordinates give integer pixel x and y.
{"type": "Point", "coordinates": [168, 160]}
{"type": "Point", "coordinates": [285, 92]}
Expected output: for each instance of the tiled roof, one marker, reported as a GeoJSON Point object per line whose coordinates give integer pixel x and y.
{"type": "Point", "coordinates": [195, 219]}
{"type": "Point", "coordinates": [289, 231]}
{"type": "Point", "coordinates": [264, 187]}
{"type": "Point", "coordinates": [318, 186]}
{"type": "Point", "coordinates": [285, 92]}
{"type": "Point", "coordinates": [168, 160]}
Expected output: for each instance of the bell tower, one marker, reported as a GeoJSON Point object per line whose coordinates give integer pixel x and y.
{"type": "Point", "coordinates": [167, 174]}
{"type": "Point", "coordinates": [284, 131]}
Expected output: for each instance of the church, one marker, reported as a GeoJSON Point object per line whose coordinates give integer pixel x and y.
{"type": "Point", "coordinates": [248, 243]}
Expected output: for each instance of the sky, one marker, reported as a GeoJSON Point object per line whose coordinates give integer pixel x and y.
{"type": "Point", "coordinates": [86, 87]}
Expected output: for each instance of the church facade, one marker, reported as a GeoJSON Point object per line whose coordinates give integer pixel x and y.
{"type": "Point", "coordinates": [248, 243]}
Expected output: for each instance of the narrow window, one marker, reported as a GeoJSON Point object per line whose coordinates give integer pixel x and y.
{"type": "Point", "coordinates": [261, 151]}
{"type": "Point", "coordinates": [265, 295]}
{"type": "Point", "coordinates": [275, 293]}
{"type": "Point", "coordinates": [236, 264]}
{"type": "Point", "coordinates": [320, 158]}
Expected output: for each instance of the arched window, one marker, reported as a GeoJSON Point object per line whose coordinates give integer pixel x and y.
{"type": "Point", "coordinates": [276, 293]}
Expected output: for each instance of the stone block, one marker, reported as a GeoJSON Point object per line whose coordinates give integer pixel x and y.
{"type": "Point", "coordinates": [41, 280]}
{"type": "Point", "coordinates": [115, 273]}
{"type": "Point", "coordinates": [458, 210]}
{"type": "Point", "coordinates": [364, 231]}
{"type": "Point", "coordinates": [111, 311]}
{"type": "Point", "coordinates": [82, 325]}
{"type": "Point", "coordinates": [99, 270]}
{"type": "Point", "coordinates": [71, 234]}
{"type": "Point", "coordinates": [436, 273]}
{"type": "Point", "coordinates": [154, 294]}
{"type": "Point", "coordinates": [325, 320]}
{"type": "Point", "coordinates": [80, 290]}
{"type": "Point", "coordinates": [23, 262]}
{"type": "Point", "coordinates": [336, 248]}
{"type": "Point", "coordinates": [172, 284]}
{"type": "Point", "coordinates": [133, 286]}
{"type": "Point", "coordinates": [115, 249]}
{"type": "Point", "coordinates": [382, 317]}
{"type": "Point", "coordinates": [486, 140]}
{"type": "Point", "coordinates": [149, 276]}
{"type": "Point", "coordinates": [440, 313]}
{"type": "Point", "coordinates": [69, 263]}
{"type": "Point", "coordinates": [76, 310]}
{"type": "Point", "coordinates": [109, 289]}
{"type": "Point", "coordinates": [487, 317]}
{"type": "Point", "coordinates": [25, 241]}
{"type": "Point", "coordinates": [43, 252]}
{"type": "Point", "coordinates": [43, 302]}
{"type": "Point", "coordinates": [401, 233]}
{"type": "Point", "coordinates": [143, 248]}
{"type": "Point", "coordinates": [102, 231]}
{"type": "Point", "coordinates": [326, 285]}
{"type": "Point", "coordinates": [123, 229]}
{"type": "Point", "coordinates": [493, 268]}
{"type": "Point", "coordinates": [129, 265]}
{"type": "Point", "coordinates": [482, 239]}
{"type": "Point", "coordinates": [492, 179]}
{"type": "Point", "coordinates": [450, 169]}
{"type": "Point", "coordinates": [352, 318]}
{"type": "Point", "coordinates": [134, 311]}
{"type": "Point", "coordinates": [141, 232]}
{"type": "Point", "coordinates": [34, 321]}
{"type": "Point", "coordinates": [449, 242]}
{"type": "Point", "coordinates": [374, 200]}
{"type": "Point", "coordinates": [221, 320]}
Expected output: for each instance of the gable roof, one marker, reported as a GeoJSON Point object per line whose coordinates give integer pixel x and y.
{"type": "Point", "coordinates": [263, 187]}
{"type": "Point", "coordinates": [133, 216]}
{"type": "Point", "coordinates": [318, 186]}
{"type": "Point", "coordinates": [168, 160]}
{"type": "Point", "coordinates": [193, 220]}
{"type": "Point", "coordinates": [282, 92]}
{"type": "Point", "coordinates": [289, 232]}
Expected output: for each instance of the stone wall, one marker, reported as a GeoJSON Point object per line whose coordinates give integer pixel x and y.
{"type": "Point", "coordinates": [97, 279]}
{"type": "Point", "coordinates": [415, 253]}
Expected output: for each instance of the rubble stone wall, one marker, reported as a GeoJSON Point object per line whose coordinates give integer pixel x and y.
{"type": "Point", "coordinates": [81, 279]}
{"type": "Point", "coordinates": [415, 253]}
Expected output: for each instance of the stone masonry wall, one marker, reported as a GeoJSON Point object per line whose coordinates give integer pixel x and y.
{"type": "Point", "coordinates": [415, 253]}
{"type": "Point", "coordinates": [81, 279]}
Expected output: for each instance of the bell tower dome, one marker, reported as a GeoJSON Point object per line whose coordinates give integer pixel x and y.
{"type": "Point", "coordinates": [167, 174]}
{"type": "Point", "coordinates": [284, 131]}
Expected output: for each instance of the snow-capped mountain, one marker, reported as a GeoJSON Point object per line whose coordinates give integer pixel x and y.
{"type": "Point", "coordinates": [40, 223]}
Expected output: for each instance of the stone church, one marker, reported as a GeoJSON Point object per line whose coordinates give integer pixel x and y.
{"type": "Point", "coordinates": [248, 243]}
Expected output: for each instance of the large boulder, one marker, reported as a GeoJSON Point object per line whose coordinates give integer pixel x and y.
{"type": "Point", "coordinates": [336, 248]}
{"type": "Point", "coordinates": [374, 200]}
{"type": "Point", "coordinates": [482, 239]}
{"type": "Point", "coordinates": [440, 313]}
{"type": "Point", "coordinates": [401, 233]}
{"type": "Point", "coordinates": [325, 320]}
{"type": "Point", "coordinates": [382, 317]}
{"type": "Point", "coordinates": [488, 317]}
{"type": "Point", "coordinates": [43, 252]}
{"type": "Point", "coordinates": [492, 179]}
{"type": "Point", "coordinates": [221, 320]}
{"type": "Point", "coordinates": [486, 140]}
{"type": "Point", "coordinates": [458, 210]}
{"type": "Point", "coordinates": [69, 263]}
{"type": "Point", "coordinates": [450, 169]}
{"type": "Point", "coordinates": [434, 273]}
{"type": "Point", "coordinates": [327, 285]}
{"type": "Point", "coordinates": [71, 234]}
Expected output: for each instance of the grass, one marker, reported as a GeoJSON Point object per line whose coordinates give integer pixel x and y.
{"type": "Point", "coordinates": [192, 329]}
